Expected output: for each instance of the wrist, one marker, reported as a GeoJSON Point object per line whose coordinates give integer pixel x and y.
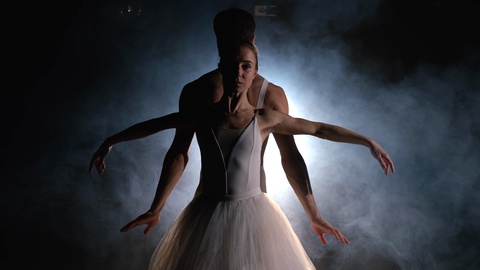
{"type": "Point", "coordinates": [108, 143]}
{"type": "Point", "coordinates": [369, 142]}
{"type": "Point", "coordinates": [152, 212]}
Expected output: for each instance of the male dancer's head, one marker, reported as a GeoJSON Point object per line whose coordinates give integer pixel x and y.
{"type": "Point", "coordinates": [231, 26]}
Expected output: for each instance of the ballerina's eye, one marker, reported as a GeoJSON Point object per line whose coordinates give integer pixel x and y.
{"type": "Point", "coordinates": [246, 66]}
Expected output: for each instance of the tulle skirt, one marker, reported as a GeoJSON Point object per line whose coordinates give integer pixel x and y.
{"type": "Point", "coordinates": [246, 234]}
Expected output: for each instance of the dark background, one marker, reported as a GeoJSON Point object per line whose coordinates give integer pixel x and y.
{"type": "Point", "coordinates": [403, 72]}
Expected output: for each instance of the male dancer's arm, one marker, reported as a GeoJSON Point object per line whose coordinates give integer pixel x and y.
{"type": "Point", "coordinates": [296, 170]}
{"type": "Point", "coordinates": [174, 164]}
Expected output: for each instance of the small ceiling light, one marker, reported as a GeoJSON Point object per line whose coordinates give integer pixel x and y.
{"type": "Point", "coordinates": [131, 10]}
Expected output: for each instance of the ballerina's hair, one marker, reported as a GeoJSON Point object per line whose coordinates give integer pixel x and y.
{"type": "Point", "coordinates": [233, 50]}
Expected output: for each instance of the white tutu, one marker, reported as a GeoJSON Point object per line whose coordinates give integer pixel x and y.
{"type": "Point", "coordinates": [236, 226]}
{"type": "Point", "coordinates": [246, 234]}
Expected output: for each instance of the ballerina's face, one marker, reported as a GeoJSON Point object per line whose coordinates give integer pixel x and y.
{"type": "Point", "coordinates": [239, 71]}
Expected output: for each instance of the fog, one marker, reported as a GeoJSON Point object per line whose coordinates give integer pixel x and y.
{"type": "Point", "coordinates": [402, 72]}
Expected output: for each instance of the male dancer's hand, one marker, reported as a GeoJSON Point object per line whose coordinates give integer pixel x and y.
{"type": "Point", "coordinates": [321, 227]}
{"type": "Point", "coordinates": [150, 219]}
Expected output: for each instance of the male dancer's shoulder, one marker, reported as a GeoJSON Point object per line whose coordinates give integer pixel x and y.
{"type": "Point", "coordinates": [202, 91]}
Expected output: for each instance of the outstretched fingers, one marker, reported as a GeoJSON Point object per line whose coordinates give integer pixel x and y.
{"type": "Point", "coordinates": [147, 218]}
{"type": "Point", "coordinates": [323, 239]}
{"type": "Point", "coordinates": [322, 227]}
{"type": "Point", "coordinates": [384, 160]}
{"type": "Point", "coordinates": [92, 163]}
{"type": "Point", "coordinates": [99, 163]}
{"type": "Point", "coordinates": [386, 163]}
{"type": "Point", "coordinates": [98, 159]}
{"type": "Point", "coordinates": [340, 236]}
{"type": "Point", "coordinates": [129, 226]}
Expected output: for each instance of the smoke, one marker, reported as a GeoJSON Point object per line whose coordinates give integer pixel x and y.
{"type": "Point", "coordinates": [369, 66]}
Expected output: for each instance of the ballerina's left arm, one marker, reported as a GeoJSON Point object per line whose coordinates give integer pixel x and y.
{"type": "Point", "coordinates": [272, 121]}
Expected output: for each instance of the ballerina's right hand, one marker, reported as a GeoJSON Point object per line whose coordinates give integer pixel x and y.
{"type": "Point", "coordinates": [98, 159]}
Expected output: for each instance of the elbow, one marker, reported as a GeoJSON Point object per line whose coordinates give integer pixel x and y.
{"type": "Point", "coordinates": [177, 156]}
{"type": "Point", "coordinates": [321, 134]}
